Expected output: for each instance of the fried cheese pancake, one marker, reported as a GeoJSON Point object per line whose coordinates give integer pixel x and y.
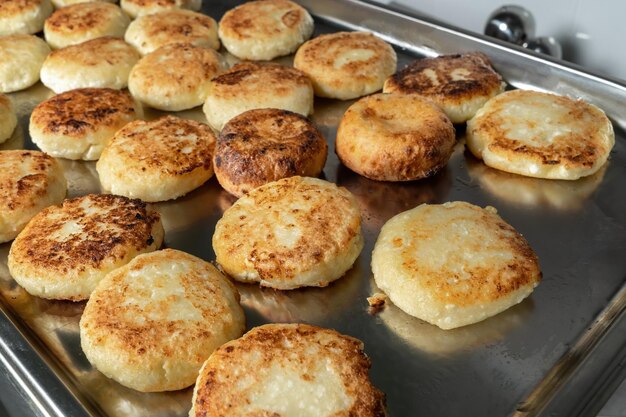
{"type": "Point", "coordinates": [265, 145]}
{"type": "Point", "coordinates": [453, 264]}
{"type": "Point", "coordinates": [346, 65]}
{"type": "Point", "coordinates": [265, 29]}
{"type": "Point", "coordinates": [150, 32]}
{"type": "Point", "coordinates": [84, 21]}
{"type": "Point", "coordinates": [174, 77]}
{"type": "Point", "coordinates": [288, 370]}
{"type": "Point", "coordinates": [158, 160]}
{"type": "Point", "coordinates": [151, 324]}
{"type": "Point", "coordinates": [29, 182]}
{"type": "Point", "coordinates": [394, 137]}
{"type": "Point", "coordinates": [460, 84]}
{"type": "Point", "coordinates": [98, 63]}
{"type": "Point", "coordinates": [136, 8]}
{"type": "Point", "coordinates": [65, 250]}
{"type": "Point", "coordinates": [62, 3]}
{"type": "Point", "coordinates": [250, 86]}
{"type": "Point", "coordinates": [23, 17]}
{"type": "Point", "coordinates": [8, 118]}
{"type": "Point", "coordinates": [21, 59]}
{"type": "Point", "coordinates": [79, 123]}
{"type": "Point", "coordinates": [290, 233]}
{"type": "Point", "coordinates": [541, 135]}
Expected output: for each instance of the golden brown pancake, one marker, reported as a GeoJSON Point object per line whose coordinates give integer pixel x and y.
{"type": "Point", "coordinates": [79, 123]}
{"type": "Point", "coordinates": [265, 29]}
{"type": "Point", "coordinates": [453, 264]}
{"type": "Point", "coordinates": [395, 137]}
{"type": "Point", "coordinates": [265, 145]}
{"type": "Point", "coordinates": [541, 135]}
{"type": "Point", "coordinates": [460, 84]}
{"type": "Point", "coordinates": [158, 160]}
{"type": "Point", "coordinates": [346, 65]}
{"type": "Point", "coordinates": [288, 370]}
{"type": "Point", "coordinates": [64, 251]}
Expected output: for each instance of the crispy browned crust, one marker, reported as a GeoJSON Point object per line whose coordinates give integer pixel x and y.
{"type": "Point", "coordinates": [169, 154]}
{"type": "Point", "coordinates": [132, 220]}
{"type": "Point", "coordinates": [80, 17]}
{"type": "Point", "coordinates": [580, 148]}
{"type": "Point", "coordinates": [77, 113]}
{"type": "Point", "coordinates": [370, 145]}
{"type": "Point", "coordinates": [248, 20]}
{"type": "Point", "coordinates": [10, 8]}
{"type": "Point", "coordinates": [320, 56]}
{"type": "Point", "coordinates": [94, 52]}
{"type": "Point", "coordinates": [278, 79]}
{"type": "Point", "coordinates": [217, 388]}
{"type": "Point", "coordinates": [264, 145]}
{"type": "Point", "coordinates": [479, 78]}
{"type": "Point", "coordinates": [328, 220]}
{"type": "Point", "coordinates": [112, 333]}
{"type": "Point", "coordinates": [194, 65]}
{"type": "Point", "coordinates": [487, 284]}
{"type": "Point", "coordinates": [19, 192]}
{"type": "Point", "coordinates": [143, 3]}
{"type": "Point", "coordinates": [182, 25]}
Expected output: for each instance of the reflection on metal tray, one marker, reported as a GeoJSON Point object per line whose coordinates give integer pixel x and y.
{"type": "Point", "coordinates": [553, 353]}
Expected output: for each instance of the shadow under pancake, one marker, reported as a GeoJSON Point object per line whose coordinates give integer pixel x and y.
{"type": "Point", "coordinates": [379, 201]}
{"type": "Point", "coordinates": [195, 206]}
{"type": "Point", "coordinates": [534, 192]}
{"type": "Point", "coordinates": [82, 177]}
{"type": "Point", "coordinates": [310, 304]}
{"type": "Point", "coordinates": [16, 141]}
{"type": "Point", "coordinates": [435, 341]}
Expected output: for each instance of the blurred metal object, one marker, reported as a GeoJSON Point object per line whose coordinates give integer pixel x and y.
{"type": "Point", "coordinates": [517, 25]}
{"type": "Point", "coordinates": [545, 45]}
{"type": "Point", "coordinates": [512, 24]}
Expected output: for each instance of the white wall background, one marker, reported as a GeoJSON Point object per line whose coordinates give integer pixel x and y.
{"type": "Point", "coordinates": [591, 32]}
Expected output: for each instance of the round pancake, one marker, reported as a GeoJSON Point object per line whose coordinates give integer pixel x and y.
{"type": "Point", "coordinates": [288, 370]}
{"type": "Point", "coordinates": [250, 86]}
{"type": "Point", "coordinates": [8, 118]}
{"type": "Point", "coordinates": [100, 63]}
{"type": "Point", "coordinates": [135, 8]}
{"type": "Point", "coordinates": [150, 32]}
{"type": "Point", "coordinates": [64, 251]}
{"type": "Point", "coordinates": [175, 76]}
{"type": "Point", "coordinates": [151, 324]}
{"type": "Point", "coordinates": [291, 233]}
{"type": "Point", "coordinates": [394, 137]}
{"type": "Point", "coordinates": [265, 145]}
{"type": "Point", "coordinates": [78, 124]}
{"type": "Point", "coordinates": [21, 58]}
{"type": "Point", "coordinates": [453, 264]}
{"type": "Point", "coordinates": [158, 160]}
{"type": "Point", "coordinates": [84, 21]}
{"type": "Point", "coordinates": [460, 84]}
{"type": "Point", "coordinates": [346, 65]}
{"type": "Point", "coordinates": [541, 135]}
{"type": "Point", "coordinates": [62, 3]}
{"type": "Point", "coordinates": [24, 17]}
{"type": "Point", "coordinates": [265, 29]}
{"type": "Point", "coordinates": [29, 182]}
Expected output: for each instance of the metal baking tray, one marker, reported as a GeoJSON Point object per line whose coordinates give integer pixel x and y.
{"type": "Point", "coordinates": [557, 353]}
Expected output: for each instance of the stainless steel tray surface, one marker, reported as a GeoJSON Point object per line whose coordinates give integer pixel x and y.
{"type": "Point", "coordinates": [551, 354]}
